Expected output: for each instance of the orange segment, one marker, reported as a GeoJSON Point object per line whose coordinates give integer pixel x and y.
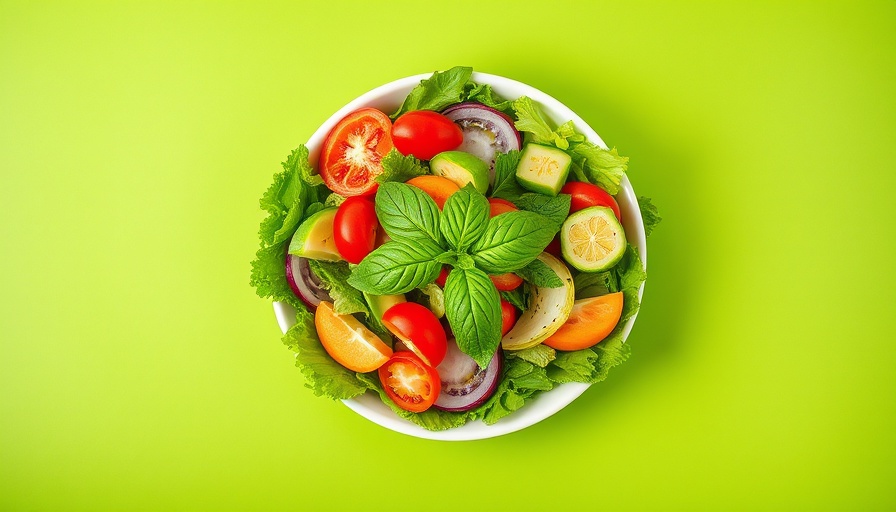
{"type": "Point", "coordinates": [590, 321]}
{"type": "Point", "coordinates": [436, 187]}
{"type": "Point", "coordinates": [348, 341]}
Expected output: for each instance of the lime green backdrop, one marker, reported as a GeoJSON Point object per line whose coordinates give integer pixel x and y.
{"type": "Point", "coordinates": [139, 371]}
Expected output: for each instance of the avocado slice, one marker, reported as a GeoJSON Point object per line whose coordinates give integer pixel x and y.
{"type": "Point", "coordinates": [461, 168]}
{"type": "Point", "coordinates": [548, 310]}
{"type": "Point", "coordinates": [314, 238]}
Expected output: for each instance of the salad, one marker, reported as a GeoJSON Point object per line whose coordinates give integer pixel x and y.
{"type": "Point", "coordinates": [456, 257]}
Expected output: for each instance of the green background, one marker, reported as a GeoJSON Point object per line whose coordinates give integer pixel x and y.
{"type": "Point", "coordinates": [139, 371]}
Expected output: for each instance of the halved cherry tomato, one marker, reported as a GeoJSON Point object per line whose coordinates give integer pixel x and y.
{"type": "Point", "coordinates": [409, 382]}
{"type": "Point", "coordinates": [585, 195]}
{"type": "Point", "coordinates": [419, 329]}
{"type": "Point", "coordinates": [424, 134]}
{"type": "Point", "coordinates": [498, 206]}
{"type": "Point", "coordinates": [443, 276]}
{"type": "Point", "coordinates": [508, 317]}
{"type": "Point", "coordinates": [355, 227]}
{"type": "Point", "coordinates": [436, 187]}
{"type": "Point", "coordinates": [506, 282]}
{"type": "Point", "coordinates": [351, 155]}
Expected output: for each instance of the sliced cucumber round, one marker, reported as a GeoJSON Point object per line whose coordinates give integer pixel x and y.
{"type": "Point", "coordinates": [592, 240]}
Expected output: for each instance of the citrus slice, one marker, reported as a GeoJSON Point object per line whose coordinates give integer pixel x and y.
{"type": "Point", "coordinates": [592, 239]}
{"type": "Point", "coordinates": [348, 341]}
{"type": "Point", "coordinates": [590, 321]}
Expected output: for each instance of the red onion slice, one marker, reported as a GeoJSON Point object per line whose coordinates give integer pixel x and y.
{"type": "Point", "coordinates": [304, 282]}
{"type": "Point", "coordinates": [487, 132]}
{"type": "Point", "coordinates": [464, 384]}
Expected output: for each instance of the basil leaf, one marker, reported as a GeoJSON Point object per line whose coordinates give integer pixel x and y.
{"type": "Point", "coordinates": [398, 167]}
{"type": "Point", "coordinates": [407, 214]}
{"type": "Point", "coordinates": [464, 218]}
{"type": "Point", "coordinates": [473, 308]}
{"type": "Point", "coordinates": [518, 297]}
{"type": "Point", "coordinates": [506, 186]}
{"type": "Point", "coordinates": [397, 268]}
{"type": "Point", "coordinates": [555, 208]}
{"type": "Point", "coordinates": [512, 240]}
{"type": "Point", "coordinates": [539, 274]}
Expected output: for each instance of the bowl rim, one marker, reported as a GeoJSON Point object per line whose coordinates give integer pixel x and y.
{"type": "Point", "coordinates": [543, 405]}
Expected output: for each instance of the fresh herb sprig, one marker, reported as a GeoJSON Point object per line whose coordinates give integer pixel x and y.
{"type": "Point", "coordinates": [463, 236]}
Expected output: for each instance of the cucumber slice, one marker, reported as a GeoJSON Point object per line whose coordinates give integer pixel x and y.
{"type": "Point", "coordinates": [592, 240]}
{"type": "Point", "coordinates": [461, 168]}
{"type": "Point", "coordinates": [543, 169]}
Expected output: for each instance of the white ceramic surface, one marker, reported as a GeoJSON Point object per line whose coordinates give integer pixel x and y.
{"type": "Point", "coordinates": [388, 98]}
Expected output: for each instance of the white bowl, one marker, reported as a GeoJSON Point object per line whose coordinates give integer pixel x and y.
{"type": "Point", "coordinates": [388, 98]}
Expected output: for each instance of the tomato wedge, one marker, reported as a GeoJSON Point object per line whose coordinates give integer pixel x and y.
{"type": "Point", "coordinates": [352, 154]}
{"type": "Point", "coordinates": [410, 383]}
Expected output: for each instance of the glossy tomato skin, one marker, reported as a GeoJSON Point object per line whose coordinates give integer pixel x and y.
{"type": "Point", "coordinates": [506, 282]}
{"type": "Point", "coordinates": [424, 134]}
{"type": "Point", "coordinates": [352, 153]}
{"type": "Point", "coordinates": [508, 317]}
{"type": "Point", "coordinates": [419, 329]}
{"type": "Point", "coordinates": [585, 195]}
{"type": "Point", "coordinates": [355, 228]}
{"type": "Point", "coordinates": [443, 276]}
{"type": "Point", "coordinates": [498, 206]}
{"type": "Point", "coordinates": [409, 382]}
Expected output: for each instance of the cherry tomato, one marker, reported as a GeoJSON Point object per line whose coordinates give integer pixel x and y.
{"type": "Point", "coordinates": [508, 317]}
{"type": "Point", "coordinates": [586, 194]}
{"type": "Point", "coordinates": [443, 276]}
{"type": "Point", "coordinates": [506, 282]}
{"type": "Point", "coordinates": [424, 134]}
{"type": "Point", "coordinates": [352, 151]}
{"type": "Point", "coordinates": [409, 382]}
{"type": "Point", "coordinates": [498, 206]}
{"type": "Point", "coordinates": [355, 228]}
{"type": "Point", "coordinates": [419, 329]}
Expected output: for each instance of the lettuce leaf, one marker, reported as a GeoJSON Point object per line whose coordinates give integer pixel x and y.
{"type": "Point", "coordinates": [322, 375]}
{"type": "Point", "coordinates": [440, 90]}
{"type": "Point", "coordinates": [649, 214]}
{"type": "Point", "coordinates": [398, 167]}
{"type": "Point", "coordinates": [333, 275]}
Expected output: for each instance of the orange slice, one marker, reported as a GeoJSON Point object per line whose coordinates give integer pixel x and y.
{"type": "Point", "coordinates": [590, 321]}
{"type": "Point", "coordinates": [348, 341]}
{"type": "Point", "coordinates": [437, 187]}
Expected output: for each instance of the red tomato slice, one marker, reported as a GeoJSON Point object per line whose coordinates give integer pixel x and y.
{"type": "Point", "coordinates": [443, 276]}
{"type": "Point", "coordinates": [585, 195]}
{"type": "Point", "coordinates": [355, 228]}
{"type": "Point", "coordinates": [508, 317]}
{"type": "Point", "coordinates": [410, 383]}
{"type": "Point", "coordinates": [506, 282]}
{"type": "Point", "coordinates": [419, 329]}
{"type": "Point", "coordinates": [352, 153]}
{"type": "Point", "coordinates": [424, 134]}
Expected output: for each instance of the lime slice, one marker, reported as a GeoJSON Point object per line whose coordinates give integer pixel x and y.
{"type": "Point", "coordinates": [592, 239]}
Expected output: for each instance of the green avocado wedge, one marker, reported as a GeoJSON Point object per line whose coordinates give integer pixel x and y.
{"type": "Point", "coordinates": [461, 168]}
{"type": "Point", "coordinates": [314, 238]}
